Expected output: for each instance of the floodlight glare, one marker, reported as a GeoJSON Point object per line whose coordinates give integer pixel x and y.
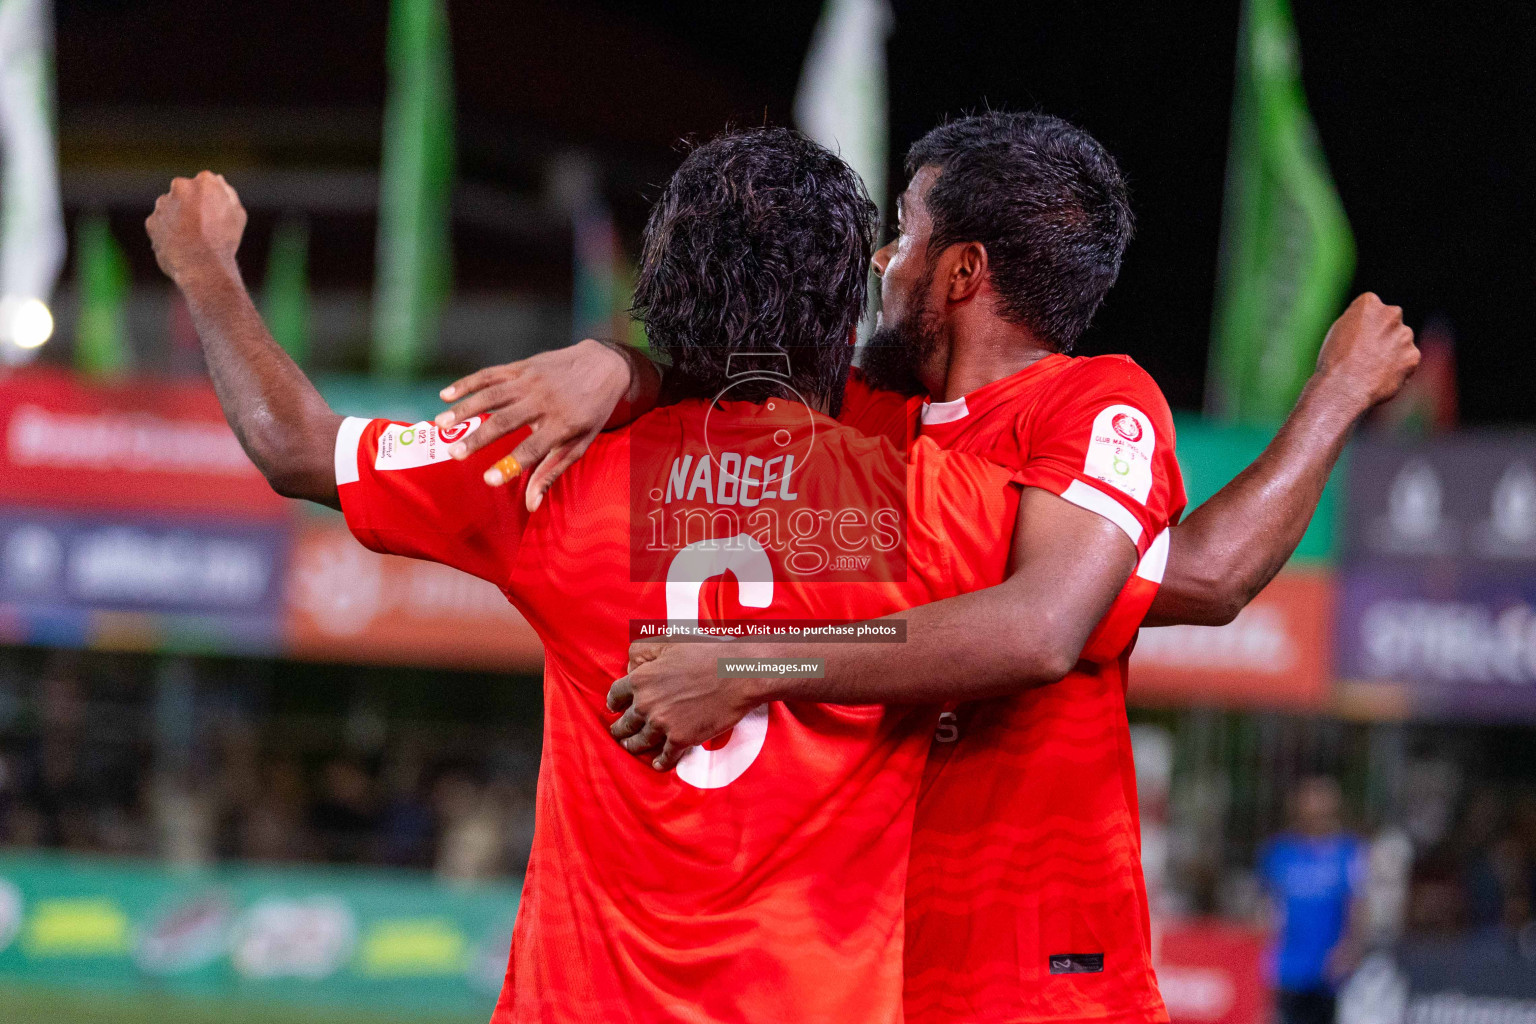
{"type": "Point", "coordinates": [27, 323]}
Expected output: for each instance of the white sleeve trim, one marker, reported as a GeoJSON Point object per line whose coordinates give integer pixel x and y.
{"type": "Point", "coordinates": [347, 439]}
{"type": "Point", "coordinates": [1155, 561]}
{"type": "Point", "coordinates": [1095, 500]}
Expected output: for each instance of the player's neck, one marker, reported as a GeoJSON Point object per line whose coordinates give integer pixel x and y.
{"type": "Point", "coordinates": [980, 353]}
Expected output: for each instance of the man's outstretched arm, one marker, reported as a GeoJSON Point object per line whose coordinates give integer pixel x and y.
{"type": "Point", "coordinates": [1067, 565]}
{"type": "Point", "coordinates": [283, 424]}
{"type": "Point", "coordinates": [1228, 549]}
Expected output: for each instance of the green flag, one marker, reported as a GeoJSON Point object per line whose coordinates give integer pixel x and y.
{"type": "Point", "coordinates": [841, 101]}
{"type": "Point", "coordinates": [285, 296]}
{"type": "Point", "coordinates": [842, 98]}
{"type": "Point", "coordinates": [414, 253]}
{"type": "Point", "coordinates": [1287, 253]}
{"type": "Point", "coordinates": [101, 273]}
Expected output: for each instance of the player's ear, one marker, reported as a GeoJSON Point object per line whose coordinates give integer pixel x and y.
{"type": "Point", "coordinates": [968, 268]}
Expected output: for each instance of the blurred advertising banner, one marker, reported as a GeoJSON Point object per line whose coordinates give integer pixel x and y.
{"type": "Point", "coordinates": [1484, 978]}
{"type": "Point", "coordinates": [346, 603]}
{"type": "Point", "coordinates": [334, 937]}
{"type": "Point", "coordinates": [1469, 497]}
{"type": "Point", "coordinates": [1276, 653]}
{"type": "Point", "coordinates": [1212, 972]}
{"type": "Point", "coordinates": [130, 582]}
{"type": "Point", "coordinates": [138, 444]}
{"type": "Point", "coordinates": [1449, 640]}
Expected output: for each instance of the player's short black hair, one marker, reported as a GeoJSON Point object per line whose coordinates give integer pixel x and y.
{"type": "Point", "coordinates": [760, 243]}
{"type": "Point", "coordinates": [1046, 200]}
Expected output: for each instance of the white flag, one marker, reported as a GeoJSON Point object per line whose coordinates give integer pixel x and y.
{"type": "Point", "coordinates": [31, 217]}
{"type": "Point", "coordinates": [841, 102]}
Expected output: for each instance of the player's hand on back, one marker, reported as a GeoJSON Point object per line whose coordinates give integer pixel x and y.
{"type": "Point", "coordinates": [196, 226]}
{"type": "Point", "coordinates": [566, 395]}
{"type": "Point", "coordinates": [1369, 351]}
{"type": "Point", "coordinates": [673, 699]}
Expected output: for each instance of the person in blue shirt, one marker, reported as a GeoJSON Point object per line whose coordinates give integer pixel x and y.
{"type": "Point", "coordinates": [1313, 875]}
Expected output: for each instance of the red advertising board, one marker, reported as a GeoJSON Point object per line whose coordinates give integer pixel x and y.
{"type": "Point", "coordinates": [1277, 653]}
{"type": "Point", "coordinates": [1212, 972]}
{"type": "Point", "coordinates": [139, 444]}
{"type": "Point", "coordinates": [346, 603]}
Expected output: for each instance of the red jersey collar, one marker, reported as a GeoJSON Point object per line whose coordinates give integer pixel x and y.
{"type": "Point", "coordinates": [948, 412]}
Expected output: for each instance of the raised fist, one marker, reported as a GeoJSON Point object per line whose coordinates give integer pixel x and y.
{"type": "Point", "coordinates": [196, 226]}
{"type": "Point", "coordinates": [1369, 350]}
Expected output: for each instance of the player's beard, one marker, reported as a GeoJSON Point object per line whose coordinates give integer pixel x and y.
{"type": "Point", "coordinates": [895, 353]}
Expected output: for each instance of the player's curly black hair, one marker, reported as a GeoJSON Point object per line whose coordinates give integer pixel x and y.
{"type": "Point", "coordinates": [760, 243]}
{"type": "Point", "coordinates": [1047, 201]}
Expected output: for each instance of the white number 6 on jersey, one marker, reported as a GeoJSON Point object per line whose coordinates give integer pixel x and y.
{"type": "Point", "coordinates": [744, 558]}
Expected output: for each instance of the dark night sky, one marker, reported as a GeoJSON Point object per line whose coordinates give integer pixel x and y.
{"type": "Point", "coordinates": [1427, 113]}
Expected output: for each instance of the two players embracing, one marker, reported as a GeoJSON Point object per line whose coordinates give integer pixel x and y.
{"type": "Point", "coordinates": [943, 829]}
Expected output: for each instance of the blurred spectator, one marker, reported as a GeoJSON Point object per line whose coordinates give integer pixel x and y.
{"type": "Point", "coordinates": [1519, 860]}
{"type": "Point", "coordinates": [271, 826]}
{"type": "Point", "coordinates": [406, 825]}
{"type": "Point", "coordinates": [185, 819]}
{"type": "Point", "coordinates": [1389, 876]}
{"type": "Point", "coordinates": [473, 839]}
{"type": "Point", "coordinates": [1482, 877]}
{"type": "Point", "coordinates": [343, 816]}
{"type": "Point", "coordinates": [1489, 860]}
{"type": "Point", "coordinates": [20, 824]}
{"type": "Point", "coordinates": [518, 807]}
{"type": "Point", "coordinates": [61, 794]}
{"type": "Point", "coordinates": [1313, 875]}
{"type": "Point", "coordinates": [1437, 904]}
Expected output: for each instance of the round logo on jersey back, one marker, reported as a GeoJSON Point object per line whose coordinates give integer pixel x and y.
{"type": "Point", "coordinates": [788, 422]}
{"type": "Point", "coordinates": [1127, 427]}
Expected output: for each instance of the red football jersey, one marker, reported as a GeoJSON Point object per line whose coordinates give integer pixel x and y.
{"type": "Point", "coordinates": [874, 412]}
{"type": "Point", "coordinates": [1026, 900]}
{"type": "Point", "coordinates": [877, 413]}
{"type": "Point", "coordinates": [764, 879]}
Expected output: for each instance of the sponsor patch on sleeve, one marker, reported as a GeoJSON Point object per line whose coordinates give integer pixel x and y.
{"type": "Point", "coordinates": [1120, 450]}
{"type": "Point", "coordinates": [419, 444]}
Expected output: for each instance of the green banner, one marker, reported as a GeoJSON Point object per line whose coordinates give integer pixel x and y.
{"type": "Point", "coordinates": [1210, 455]}
{"type": "Point", "coordinates": [1287, 253]}
{"type": "Point", "coordinates": [414, 259]}
{"type": "Point", "coordinates": [394, 942]}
